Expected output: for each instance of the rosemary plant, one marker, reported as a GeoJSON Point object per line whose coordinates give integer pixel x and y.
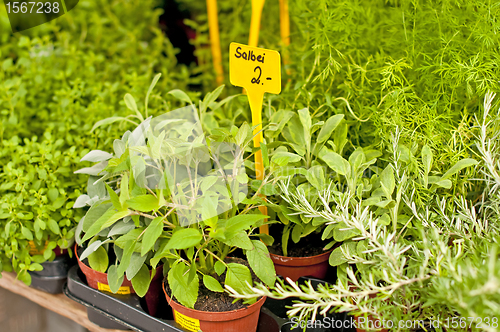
{"type": "Point", "coordinates": [432, 263]}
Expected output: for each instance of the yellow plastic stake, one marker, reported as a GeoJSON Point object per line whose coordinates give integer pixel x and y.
{"type": "Point", "coordinates": [213, 25]}
{"type": "Point", "coordinates": [257, 6]}
{"type": "Point", "coordinates": [257, 70]}
{"type": "Point", "coordinates": [285, 29]}
{"type": "Point", "coordinates": [284, 22]}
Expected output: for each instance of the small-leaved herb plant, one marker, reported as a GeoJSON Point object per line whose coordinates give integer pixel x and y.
{"type": "Point", "coordinates": [37, 191]}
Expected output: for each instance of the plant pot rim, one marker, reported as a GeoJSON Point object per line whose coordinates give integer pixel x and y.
{"type": "Point", "coordinates": [301, 261]}
{"type": "Point", "coordinates": [126, 282]}
{"type": "Point", "coordinates": [214, 316]}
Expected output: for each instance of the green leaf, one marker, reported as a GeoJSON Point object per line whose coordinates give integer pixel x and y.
{"type": "Point", "coordinates": [210, 98]}
{"type": "Point", "coordinates": [141, 281]}
{"type": "Point", "coordinates": [336, 162]}
{"type": "Point", "coordinates": [115, 280]}
{"type": "Point", "coordinates": [181, 95]}
{"type": "Point", "coordinates": [107, 121]}
{"type": "Point", "coordinates": [316, 177]}
{"type": "Point", "coordinates": [98, 260]}
{"type": "Point", "coordinates": [114, 198]}
{"type": "Point", "coordinates": [242, 222]}
{"type": "Point", "coordinates": [184, 238]}
{"type": "Point", "coordinates": [151, 87]}
{"type": "Point", "coordinates": [144, 203]}
{"type": "Point", "coordinates": [337, 257]}
{"type": "Point", "coordinates": [265, 153]}
{"type": "Point", "coordinates": [126, 239]}
{"type": "Point", "coordinates": [427, 158]}
{"type": "Point", "coordinates": [329, 245]}
{"type": "Point", "coordinates": [294, 134]}
{"type": "Point", "coordinates": [53, 194]}
{"type": "Point", "coordinates": [151, 234]}
{"type": "Point", "coordinates": [94, 213]}
{"type": "Point", "coordinates": [261, 263]}
{"type": "Point", "coordinates": [207, 183]}
{"type": "Point", "coordinates": [124, 193]}
{"type": "Point", "coordinates": [284, 240]}
{"type": "Point", "coordinates": [242, 178]}
{"type": "Point", "coordinates": [327, 129]}
{"type": "Point", "coordinates": [128, 250]}
{"type": "Point", "coordinates": [239, 240]}
{"type": "Point", "coordinates": [136, 261]}
{"type": "Point", "coordinates": [106, 220]}
{"type": "Point", "coordinates": [459, 166]}
{"type": "Point", "coordinates": [340, 233]}
{"type": "Point", "coordinates": [384, 219]}
{"type": "Point", "coordinates": [131, 105]}
{"type": "Point", "coordinates": [185, 292]}
{"type": "Point", "coordinates": [305, 119]}
{"type": "Point", "coordinates": [219, 267]}
{"type": "Point", "coordinates": [236, 277]}
{"type": "Point", "coordinates": [28, 235]}
{"type": "Point", "coordinates": [121, 227]}
{"type": "Point", "coordinates": [444, 184]}
{"type": "Point", "coordinates": [25, 277]}
{"type": "Point", "coordinates": [387, 181]}
{"type": "Point", "coordinates": [54, 227]}
{"type": "Point", "coordinates": [267, 239]}
{"type": "Point", "coordinates": [35, 267]}
{"type": "Point", "coordinates": [96, 187]}
{"type": "Point", "coordinates": [97, 156]}
{"type": "Point", "coordinates": [297, 233]}
{"type": "Point", "coordinates": [283, 158]}
{"type": "Point", "coordinates": [212, 284]}
{"type": "Point", "coordinates": [242, 134]}
{"type": "Point", "coordinates": [90, 249]}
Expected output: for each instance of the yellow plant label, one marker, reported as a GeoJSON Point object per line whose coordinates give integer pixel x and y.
{"type": "Point", "coordinates": [258, 70]}
{"type": "Point", "coordinates": [255, 69]}
{"type": "Point", "coordinates": [188, 323]}
{"type": "Point", "coordinates": [34, 250]}
{"type": "Point", "coordinates": [122, 290]}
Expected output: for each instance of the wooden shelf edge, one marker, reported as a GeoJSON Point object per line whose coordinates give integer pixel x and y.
{"type": "Point", "coordinates": [57, 303]}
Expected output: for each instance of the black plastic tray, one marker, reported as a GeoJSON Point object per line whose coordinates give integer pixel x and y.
{"type": "Point", "coordinates": [127, 311]}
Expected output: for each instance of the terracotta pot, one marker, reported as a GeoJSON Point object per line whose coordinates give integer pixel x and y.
{"type": "Point", "coordinates": [99, 281]}
{"type": "Point", "coordinates": [35, 251]}
{"type": "Point", "coordinates": [296, 267]}
{"type": "Point", "coordinates": [241, 320]}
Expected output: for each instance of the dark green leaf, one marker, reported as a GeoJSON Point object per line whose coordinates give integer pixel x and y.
{"type": "Point", "coordinates": [115, 280]}
{"type": "Point", "coordinates": [261, 263]}
{"type": "Point", "coordinates": [237, 276]}
{"type": "Point", "coordinates": [141, 281]}
{"type": "Point", "coordinates": [186, 293]}
{"type": "Point", "coordinates": [152, 234]}
{"type": "Point", "coordinates": [136, 261]}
